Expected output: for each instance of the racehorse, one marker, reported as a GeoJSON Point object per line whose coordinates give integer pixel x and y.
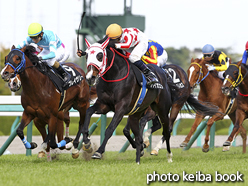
{"type": "Point", "coordinates": [210, 91]}
{"type": "Point", "coordinates": [40, 98]}
{"type": "Point", "coordinates": [180, 98]}
{"type": "Point", "coordinates": [119, 91]}
{"type": "Point", "coordinates": [14, 85]}
{"type": "Point", "coordinates": [236, 76]}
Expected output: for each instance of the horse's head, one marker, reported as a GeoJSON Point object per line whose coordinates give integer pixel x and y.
{"type": "Point", "coordinates": [233, 78]}
{"type": "Point", "coordinates": [195, 73]}
{"type": "Point", "coordinates": [15, 83]}
{"type": "Point", "coordinates": [96, 59]}
{"type": "Point", "coordinates": [14, 63]}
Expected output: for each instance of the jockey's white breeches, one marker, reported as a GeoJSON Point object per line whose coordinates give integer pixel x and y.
{"type": "Point", "coordinates": [61, 55]}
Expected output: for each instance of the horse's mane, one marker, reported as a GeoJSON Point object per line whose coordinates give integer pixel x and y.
{"type": "Point", "coordinates": [30, 53]}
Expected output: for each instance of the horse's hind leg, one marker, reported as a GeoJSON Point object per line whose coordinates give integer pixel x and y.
{"type": "Point", "coordinates": [134, 124]}
{"type": "Point", "coordinates": [126, 132]}
{"type": "Point", "coordinates": [197, 121]}
{"type": "Point", "coordinates": [42, 129]}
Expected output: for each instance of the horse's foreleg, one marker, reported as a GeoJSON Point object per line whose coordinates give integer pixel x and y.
{"type": "Point", "coordinates": [205, 147]}
{"type": "Point", "coordinates": [243, 134]}
{"type": "Point", "coordinates": [238, 123]}
{"type": "Point", "coordinates": [167, 135]}
{"type": "Point", "coordinates": [26, 119]}
{"type": "Point", "coordinates": [197, 121]}
{"type": "Point", "coordinates": [108, 133]}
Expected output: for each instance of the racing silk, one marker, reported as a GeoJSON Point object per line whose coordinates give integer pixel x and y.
{"type": "Point", "coordinates": [50, 42]}
{"type": "Point", "coordinates": [244, 57]}
{"type": "Point", "coordinates": [154, 50]}
{"type": "Point", "coordinates": [129, 38]}
{"type": "Point", "coordinates": [219, 60]}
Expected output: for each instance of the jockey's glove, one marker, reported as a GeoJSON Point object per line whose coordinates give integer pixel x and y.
{"type": "Point", "coordinates": [210, 67]}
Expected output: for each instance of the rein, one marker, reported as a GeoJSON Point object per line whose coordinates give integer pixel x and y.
{"type": "Point", "coordinates": [200, 78]}
{"type": "Point", "coordinates": [111, 64]}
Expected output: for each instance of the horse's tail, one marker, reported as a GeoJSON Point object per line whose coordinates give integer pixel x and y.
{"type": "Point", "coordinates": [202, 108]}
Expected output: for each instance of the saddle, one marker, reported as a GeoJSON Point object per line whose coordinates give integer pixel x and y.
{"type": "Point", "coordinates": [57, 80]}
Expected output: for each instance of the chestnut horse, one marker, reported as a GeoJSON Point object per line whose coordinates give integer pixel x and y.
{"type": "Point", "coordinates": [41, 99]}
{"type": "Point", "coordinates": [14, 85]}
{"type": "Point", "coordinates": [236, 76]}
{"type": "Point", "coordinates": [210, 91]}
{"type": "Point", "coordinates": [119, 91]}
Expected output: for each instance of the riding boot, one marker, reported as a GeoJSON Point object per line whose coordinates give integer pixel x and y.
{"type": "Point", "coordinates": [151, 78]}
{"type": "Point", "coordinates": [64, 74]}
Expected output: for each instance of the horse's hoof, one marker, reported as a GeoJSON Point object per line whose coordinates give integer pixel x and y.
{"type": "Point", "coordinates": [41, 154]}
{"type": "Point", "coordinates": [87, 147]}
{"type": "Point", "coordinates": [142, 153]}
{"type": "Point", "coordinates": [227, 143]}
{"type": "Point", "coordinates": [154, 152]}
{"type": "Point", "coordinates": [183, 144]}
{"type": "Point", "coordinates": [226, 148]}
{"type": "Point", "coordinates": [75, 153]}
{"type": "Point", "coordinates": [169, 157]}
{"type": "Point", "coordinates": [33, 145]}
{"type": "Point", "coordinates": [96, 155]}
{"type": "Point", "coordinates": [68, 146]}
{"type": "Point", "coordinates": [146, 144]}
{"type": "Point", "coordinates": [205, 149]}
{"type": "Point", "coordinates": [68, 139]}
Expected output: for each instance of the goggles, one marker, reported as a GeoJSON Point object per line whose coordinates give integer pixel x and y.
{"type": "Point", "coordinates": [207, 55]}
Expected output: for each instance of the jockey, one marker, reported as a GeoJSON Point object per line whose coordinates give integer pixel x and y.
{"type": "Point", "coordinates": [135, 42]}
{"type": "Point", "coordinates": [245, 54]}
{"type": "Point", "coordinates": [50, 42]}
{"type": "Point", "coordinates": [219, 59]}
{"type": "Point", "coordinates": [155, 54]}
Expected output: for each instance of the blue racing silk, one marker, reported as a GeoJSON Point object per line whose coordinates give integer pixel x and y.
{"type": "Point", "coordinates": [50, 41]}
{"type": "Point", "coordinates": [244, 57]}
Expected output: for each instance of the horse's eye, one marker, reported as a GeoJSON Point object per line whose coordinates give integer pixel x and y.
{"type": "Point", "coordinates": [99, 56]}
{"type": "Point", "coordinates": [18, 58]}
{"type": "Point", "coordinates": [86, 56]}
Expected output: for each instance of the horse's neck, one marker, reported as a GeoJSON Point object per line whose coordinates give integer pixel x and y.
{"type": "Point", "coordinates": [244, 84]}
{"type": "Point", "coordinates": [210, 83]}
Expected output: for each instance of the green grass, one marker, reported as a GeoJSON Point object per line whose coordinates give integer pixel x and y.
{"type": "Point", "coordinates": [120, 168]}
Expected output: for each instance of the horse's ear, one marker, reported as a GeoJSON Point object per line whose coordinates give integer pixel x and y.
{"type": "Point", "coordinates": [192, 60]}
{"type": "Point", "coordinates": [23, 49]}
{"type": "Point", "coordinates": [105, 43]}
{"type": "Point", "coordinates": [87, 43]}
{"type": "Point", "coordinates": [13, 47]}
{"type": "Point", "coordinates": [230, 60]}
{"type": "Point", "coordinates": [239, 63]}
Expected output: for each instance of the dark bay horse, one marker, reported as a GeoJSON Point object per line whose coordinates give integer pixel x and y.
{"type": "Point", "coordinates": [40, 98]}
{"type": "Point", "coordinates": [180, 97]}
{"type": "Point", "coordinates": [210, 91]}
{"type": "Point", "coordinates": [118, 91]}
{"type": "Point", "coordinates": [236, 76]}
{"type": "Point", "coordinates": [14, 85]}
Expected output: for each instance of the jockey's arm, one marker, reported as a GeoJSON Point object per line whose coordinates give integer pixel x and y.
{"type": "Point", "coordinates": [24, 43]}
{"type": "Point", "coordinates": [128, 39]}
{"type": "Point", "coordinates": [244, 57]}
{"type": "Point", "coordinates": [222, 60]}
{"type": "Point", "coordinates": [52, 48]}
{"type": "Point", "coordinates": [153, 56]}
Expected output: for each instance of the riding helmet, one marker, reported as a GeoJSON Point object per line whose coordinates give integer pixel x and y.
{"type": "Point", "coordinates": [208, 49]}
{"type": "Point", "coordinates": [246, 46]}
{"type": "Point", "coordinates": [114, 31]}
{"type": "Point", "coordinates": [34, 29]}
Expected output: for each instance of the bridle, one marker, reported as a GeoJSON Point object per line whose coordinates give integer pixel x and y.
{"type": "Point", "coordinates": [238, 80]}
{"type": "Point", "coordinates": [200, 77]}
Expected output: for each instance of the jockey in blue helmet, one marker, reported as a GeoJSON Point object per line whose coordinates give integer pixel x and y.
{"type": "Point", "coordinates": [218, 59]}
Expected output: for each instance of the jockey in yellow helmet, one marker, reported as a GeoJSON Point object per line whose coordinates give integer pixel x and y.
{"type": "Point", "coordinates": [53, 52]}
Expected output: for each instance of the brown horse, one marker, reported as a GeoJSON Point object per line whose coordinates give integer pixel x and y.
{"type": "Point", "coordinates": [14, 85]}
{"type": "Point", "coordinates": [236, 76]}
{"type": "Point", "coordinates": [210, 91]}
{"type": "Point", "coordinates": [41, 99]}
